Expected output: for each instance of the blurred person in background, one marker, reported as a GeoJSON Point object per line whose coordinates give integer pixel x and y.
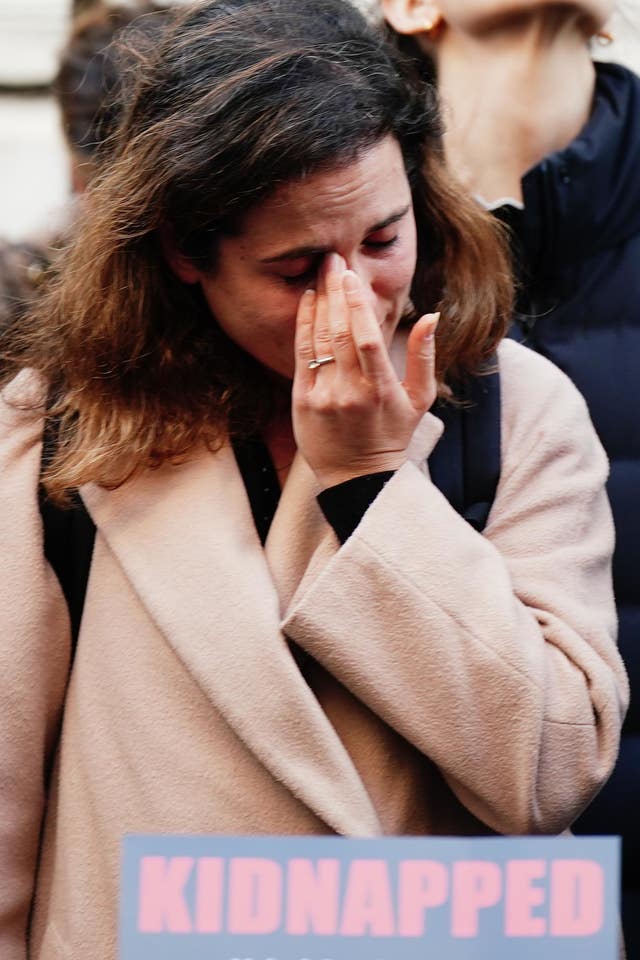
{"type": "Point", "coordinates": [87, 87]}
{"type": "Point", "coordinates": [550, 141]}
{"type": "Point", "coordinates": [87, 83]}
{"type": "Point", "coordinates": [82, 6]}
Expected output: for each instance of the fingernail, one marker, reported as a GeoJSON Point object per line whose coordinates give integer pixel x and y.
{"type": "Point", "coordinates": [435, 317]}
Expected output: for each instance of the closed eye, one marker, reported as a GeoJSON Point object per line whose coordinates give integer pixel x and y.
{"type": "Point", "coordinates": [305, 277]}
{"type": "Point", "coordinates": [381, 240]}
{"type": "Point", "coordinates": [380, 244]}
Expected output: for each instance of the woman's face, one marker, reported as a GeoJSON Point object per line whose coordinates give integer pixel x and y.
{"type": "Point", "coordinates": [471, 14]}
{"type": "Point", "coordinates": [362, 211]}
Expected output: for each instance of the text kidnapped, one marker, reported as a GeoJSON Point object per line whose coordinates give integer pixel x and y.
{"type": "Point", "coordinates": [367, 897]}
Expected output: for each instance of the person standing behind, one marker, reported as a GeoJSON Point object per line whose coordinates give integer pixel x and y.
{"type": "Point", "coordinates": [89, 88]}
{"type": "Point", "coordinates": [551, 142]}
{"type": "Point", "coordinates": [88, 82]}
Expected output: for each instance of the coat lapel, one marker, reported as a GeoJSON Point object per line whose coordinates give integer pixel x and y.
{"type": "Point", "coordinates": [185, 538]}
{"type": "Point", "coordinates": [297, 530]}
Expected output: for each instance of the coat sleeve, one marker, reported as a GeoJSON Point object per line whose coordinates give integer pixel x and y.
{"type": "Point", "coordinates": [34, 663]}
{"type": "Point", "coordinates": [494, 654]}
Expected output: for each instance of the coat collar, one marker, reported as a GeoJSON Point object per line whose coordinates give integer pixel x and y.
{"type": "Point", "coordinates": [185, 538]}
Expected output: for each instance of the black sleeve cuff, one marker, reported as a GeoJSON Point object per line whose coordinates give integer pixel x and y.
{"type": "Point", "coordinates": [345, 505]}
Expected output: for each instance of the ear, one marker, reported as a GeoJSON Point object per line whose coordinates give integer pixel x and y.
{"type": "Point", "coordinates": [183, 268]}
{"type": "Point", "coordinates": [411, 16]}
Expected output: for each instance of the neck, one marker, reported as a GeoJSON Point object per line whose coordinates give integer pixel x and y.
{"type": "Point", "coordinates": [512, 95]}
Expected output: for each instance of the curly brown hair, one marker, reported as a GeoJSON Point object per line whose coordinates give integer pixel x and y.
{"type": "Point", "coordinates": [235, 97]}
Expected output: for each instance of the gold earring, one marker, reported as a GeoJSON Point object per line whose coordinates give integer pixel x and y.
{"type": "Point", "coordinates": [430, 25]}
{"type": "Point", "coordinates": [604, 38]}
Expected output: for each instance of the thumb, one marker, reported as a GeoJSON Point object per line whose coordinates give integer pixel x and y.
{"type": "Point", "coordinates": [420, 380]}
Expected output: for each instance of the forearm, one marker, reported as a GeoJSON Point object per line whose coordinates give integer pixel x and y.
{"type": "Point", "coordinates": [517, 700]}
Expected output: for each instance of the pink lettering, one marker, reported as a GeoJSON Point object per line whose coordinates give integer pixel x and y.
{"type": "Point", "coordinates": [161, 905]}
{"type": "Point", "coordinates": [313, 896]}
{"type": "Point", "coordinates": [521, 896]}
{"type": "Point", "coordinates": [255, 895]}
{"type": "Point", "coordinates": [421, 884]}
{"type": "Point", "coordinates": [367, 905]}
{"type": "Point", "coordinates": [209, 895]}
{"type": "Point", "coordinates": [577, 898]}
{"type": "Point", "coordinates": [476, 884]}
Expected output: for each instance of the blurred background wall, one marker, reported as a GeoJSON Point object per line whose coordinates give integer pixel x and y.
{"type": "Point", "coordinates": [34, 173]}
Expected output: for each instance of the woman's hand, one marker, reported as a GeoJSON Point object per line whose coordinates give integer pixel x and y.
{"type": "Point", "coordinates": [353, 416]}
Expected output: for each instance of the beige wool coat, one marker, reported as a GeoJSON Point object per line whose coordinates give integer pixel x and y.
{"type": "Point", "coordinates": [463, 683]}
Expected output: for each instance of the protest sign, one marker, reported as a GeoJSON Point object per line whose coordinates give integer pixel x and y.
{"type": "Point", "coordinates": [330, 898]}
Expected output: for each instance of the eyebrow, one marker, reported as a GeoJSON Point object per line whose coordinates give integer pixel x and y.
{"type": "Point", "coordinates": [297, 252]}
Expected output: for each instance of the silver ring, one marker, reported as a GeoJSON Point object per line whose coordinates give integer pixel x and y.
{"type": "Point", "coordinates": [320, 362]}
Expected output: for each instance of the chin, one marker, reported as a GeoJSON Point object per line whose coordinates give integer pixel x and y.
{"type": "Point", "coordinates": [596, 12]}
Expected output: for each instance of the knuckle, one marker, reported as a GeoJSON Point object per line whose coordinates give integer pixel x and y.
{"type": "Point", "coordinates": [355, 300]}
{"type": "Point", "coordinates": [369, 347]}
{"type": "Point", "coordinates": [341, 338]}
{"type": "Point", "coordinates": [300, 398]}
{"type": "Point", "coordinates": [325, 405]}
{"type": "Point", "coordinates": [349, 404]}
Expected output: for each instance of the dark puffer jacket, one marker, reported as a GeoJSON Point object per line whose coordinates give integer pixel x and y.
{"type": "Point", "coordinates": [578, 246]}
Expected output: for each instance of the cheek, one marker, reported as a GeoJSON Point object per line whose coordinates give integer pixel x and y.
{"type": "Point", "coordinates": [243, 303]}
{"type": "Point", "coordinates": [396, 272]}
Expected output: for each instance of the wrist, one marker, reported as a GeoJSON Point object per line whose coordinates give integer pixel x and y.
{"type": "Point", "coordinates": [336, 476]}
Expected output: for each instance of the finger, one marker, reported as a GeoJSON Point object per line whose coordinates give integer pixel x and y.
{"type": "Point", "coordinates": [420, 380]}
{"type": "Point", "coordinates": [321, 334]}
{"type": "Point", "coordinates": [370, 348]}
{"type": "Point", "coordinates": [339, 320]}
{"type": "Point", "coordinates": [304, 348]}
